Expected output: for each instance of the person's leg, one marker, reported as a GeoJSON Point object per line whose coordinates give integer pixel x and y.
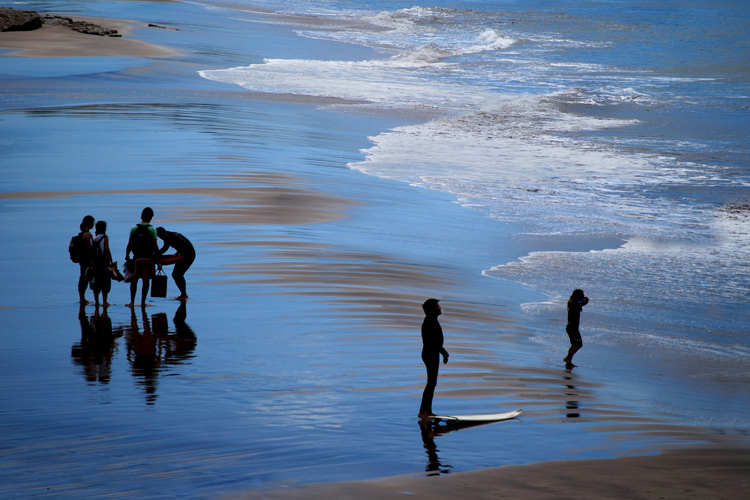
{"type": "Point", "coordinates": [575, 345]}
{"type": "Point", "coordinates": [432, 364]}
{"type": "Point", "coordinates": [83, 284]}
{"type": "Point", "coordinates": [133, 288]}
{"type": "Point", "coordinates": [106, 286]}
{"type": "Point", "coordinates": [178, 274]}
{"type": "Point", "coordinates": [147, 267]}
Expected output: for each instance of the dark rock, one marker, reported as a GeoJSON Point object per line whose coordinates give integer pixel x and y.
{"type": "Point", "coordinates": [19, 20]}
{"type": "Point", "coordinates": [81, 26]}
{"type": "Point", "coordinates": [162, 27]}
{"type": "Point", "coordinates": [91, 29]}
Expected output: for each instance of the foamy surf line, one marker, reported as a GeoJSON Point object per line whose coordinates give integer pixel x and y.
{"type": "Point", "coordinates": [533, 139]}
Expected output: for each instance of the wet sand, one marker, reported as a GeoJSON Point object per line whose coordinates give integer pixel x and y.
{"type": "Point", "coordinates": [59, 41]}
{"type": "Point", "coordinates": [342, 262]}
{"type": "Point", "coordinates": [684, 473]}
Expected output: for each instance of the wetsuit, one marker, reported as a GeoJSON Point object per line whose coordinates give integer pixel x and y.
{"type": "Point", "coordinates": [574, 319]}
{"type": "Point", "coordinates": [184, 248]}
{"type": "Point", "coordinates": [432, 349]}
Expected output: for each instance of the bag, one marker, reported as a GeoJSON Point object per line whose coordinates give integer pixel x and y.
{"type": "Point", "coordinates": [115, 273]}
{"type": "Point", "coordinates": [78, 249]}
{"type": "Point", "coordinates": [128, 269]}
{"type": "Point", "coordinates": [142, 243]}
{"type": "Point", "coordinates": [159, 284]}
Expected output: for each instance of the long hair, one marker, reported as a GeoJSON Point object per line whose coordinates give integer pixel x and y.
{"type": "Point", "coordinates": [576, 295]}
{"type": "Point", "coordinates": [87, 222]}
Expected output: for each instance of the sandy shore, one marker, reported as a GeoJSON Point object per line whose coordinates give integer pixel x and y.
{"type": "Point", "coordinates": [59, 41]}
{"type": "Point", "coordinates": [384, 291]}
{"type": "Point", "coordinates": [678, 474]}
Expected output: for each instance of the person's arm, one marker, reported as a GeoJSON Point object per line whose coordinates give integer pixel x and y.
{"type": "Point", "coordinates": [107, 253]}
{"type": "Point", "coordinates": [89, 240]}
{"type": "Point", "coordinates": [156, 249]}
{"type": "Point", "coordinates": [127, 250]}
{"type": "Point", "coordinates": [445, 355]}
{"type": "Point", "coordinates": [164, 248]}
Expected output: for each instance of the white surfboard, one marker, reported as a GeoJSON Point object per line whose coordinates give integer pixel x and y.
{"type": "Point", "coordinates": [484, 417]}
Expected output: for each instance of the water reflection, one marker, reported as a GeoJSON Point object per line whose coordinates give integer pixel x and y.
{"type": "Point", "coordinates": [434, 466]}
{"type": "Point", "coordinates": [95, 351]}
{"type": "Point", "coordinates": [571, 404]}
{"type": "Point", "coordinates": [431, 429]}
{"type": "Point", "coordinates": [151, 348]}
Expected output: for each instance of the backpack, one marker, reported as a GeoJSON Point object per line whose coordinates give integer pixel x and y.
{"type": "Point", "coordinates": [97, 251]}
{"type": "Point", "coordinates": [142, 242]}
{"type": "Point", "coordinates": [78, 249]}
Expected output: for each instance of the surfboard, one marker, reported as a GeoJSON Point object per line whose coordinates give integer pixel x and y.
{"type": "Point", "coordinates": [484, 417]}
{"type": "Point", "coordinates": [166, 260]}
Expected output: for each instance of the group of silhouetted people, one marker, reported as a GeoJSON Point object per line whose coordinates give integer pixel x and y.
{"type": "Point", "coordinates": [98, 269]}
{"type": "Point", "coordinates": [432, 344]}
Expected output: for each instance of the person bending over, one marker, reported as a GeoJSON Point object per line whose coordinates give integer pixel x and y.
{"type": "Point", "coordinates": [184, 249]}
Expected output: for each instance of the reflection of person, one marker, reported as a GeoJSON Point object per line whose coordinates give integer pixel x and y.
{"type": "Point", "coordinates": [142, 242]}
{"type": "Point", "coordinates": [434, 466]}
{"type": "Point", "coordinates": [575, 304]}
{"type": "Point", "coordinates": [95, 351]}
{"type": "Point", "coordinates": [86, 225]}
{"type": "Point", "coordinates": [102, 259]}
{"type": "Point", "coordinates": [143, 355]}
{"type": "Point", "coordinates": [432, 348]}
{"type": "Point", "coordinates": [184, 249]}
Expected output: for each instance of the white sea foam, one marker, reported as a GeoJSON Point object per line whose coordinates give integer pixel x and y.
{"type": "Point", "coordinates": [508, 144]}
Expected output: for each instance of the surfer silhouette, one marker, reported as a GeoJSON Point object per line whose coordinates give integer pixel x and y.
{"type": "Point", "coordinates": [432, 348]}
{"type": "Point", "coordinates": [575, 304]}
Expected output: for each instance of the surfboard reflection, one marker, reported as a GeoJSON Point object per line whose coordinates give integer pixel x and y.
{"type": "Point", "coordinates": [430, 430]}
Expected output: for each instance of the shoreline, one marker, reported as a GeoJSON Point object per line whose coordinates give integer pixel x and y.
{"type": "Point", "coordinates": [706, 472]}
{"type": "Point", "coordinates": [52, 40]}
{"type": "Point", "coordinates": [709, 467]}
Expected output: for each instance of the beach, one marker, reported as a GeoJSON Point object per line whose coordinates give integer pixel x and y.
{"type": "Point", "coordinates": [294, 369]}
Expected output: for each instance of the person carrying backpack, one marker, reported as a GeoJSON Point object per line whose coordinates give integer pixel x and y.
{"type": "Point", "coordinates": [101, 259]}
{"type": "Point", "coordinates": [80, 253]}
{"type": "Point", "coordinates": [142, 242]}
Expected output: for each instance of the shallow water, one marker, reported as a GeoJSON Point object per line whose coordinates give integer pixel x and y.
{"type": "Point", "coordinates": [296, 359]}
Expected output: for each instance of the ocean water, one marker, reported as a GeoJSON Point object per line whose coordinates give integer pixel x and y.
{"type": "Point", "coordinates": [610, 134]}
{"type": "Point", "coordinates": [615, 134]}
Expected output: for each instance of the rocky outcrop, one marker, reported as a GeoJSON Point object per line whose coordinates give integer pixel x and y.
{"type": "Point", "coordinates": [28, 20]}
{"type": "Point", "coordinates": [19, 20]}
{"type": "Point", "coordinates": [80, 26]}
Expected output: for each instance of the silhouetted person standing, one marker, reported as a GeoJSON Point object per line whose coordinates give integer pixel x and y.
{"type": "Point", "coordinates": [432, 349]}
{"type": "Point", "coordinates": [142, 243]}
{"type": "Point", "coordinates": [184, 249]}
{"type": "Point", "coordinates": [87, 224]}
{"type": "Point", "coordinates": [575, 304]}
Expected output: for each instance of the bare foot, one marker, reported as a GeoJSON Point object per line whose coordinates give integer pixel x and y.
{"type": "Point", "coordinates": [129, 305]}
{"type": "Point", "coordinates": [425, 415]}
{"type": "Point", "coordinates": [86, 302]}
{"type": "Point", "coordinates": [181, 298]}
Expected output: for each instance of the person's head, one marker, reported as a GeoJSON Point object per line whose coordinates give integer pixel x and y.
{"type": "Point", "coordinates": [87, 223]}
{"type": "Point", "coordinates": [431, 307]}
{"type": "Point", "coordinates": [161, 232]}
{"type": "Point", "coordinates": [576, 295]}
{"type": "Point", "coordinates": [147, 214]}
{"type": "Point", "coordinates": [101, 227]}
